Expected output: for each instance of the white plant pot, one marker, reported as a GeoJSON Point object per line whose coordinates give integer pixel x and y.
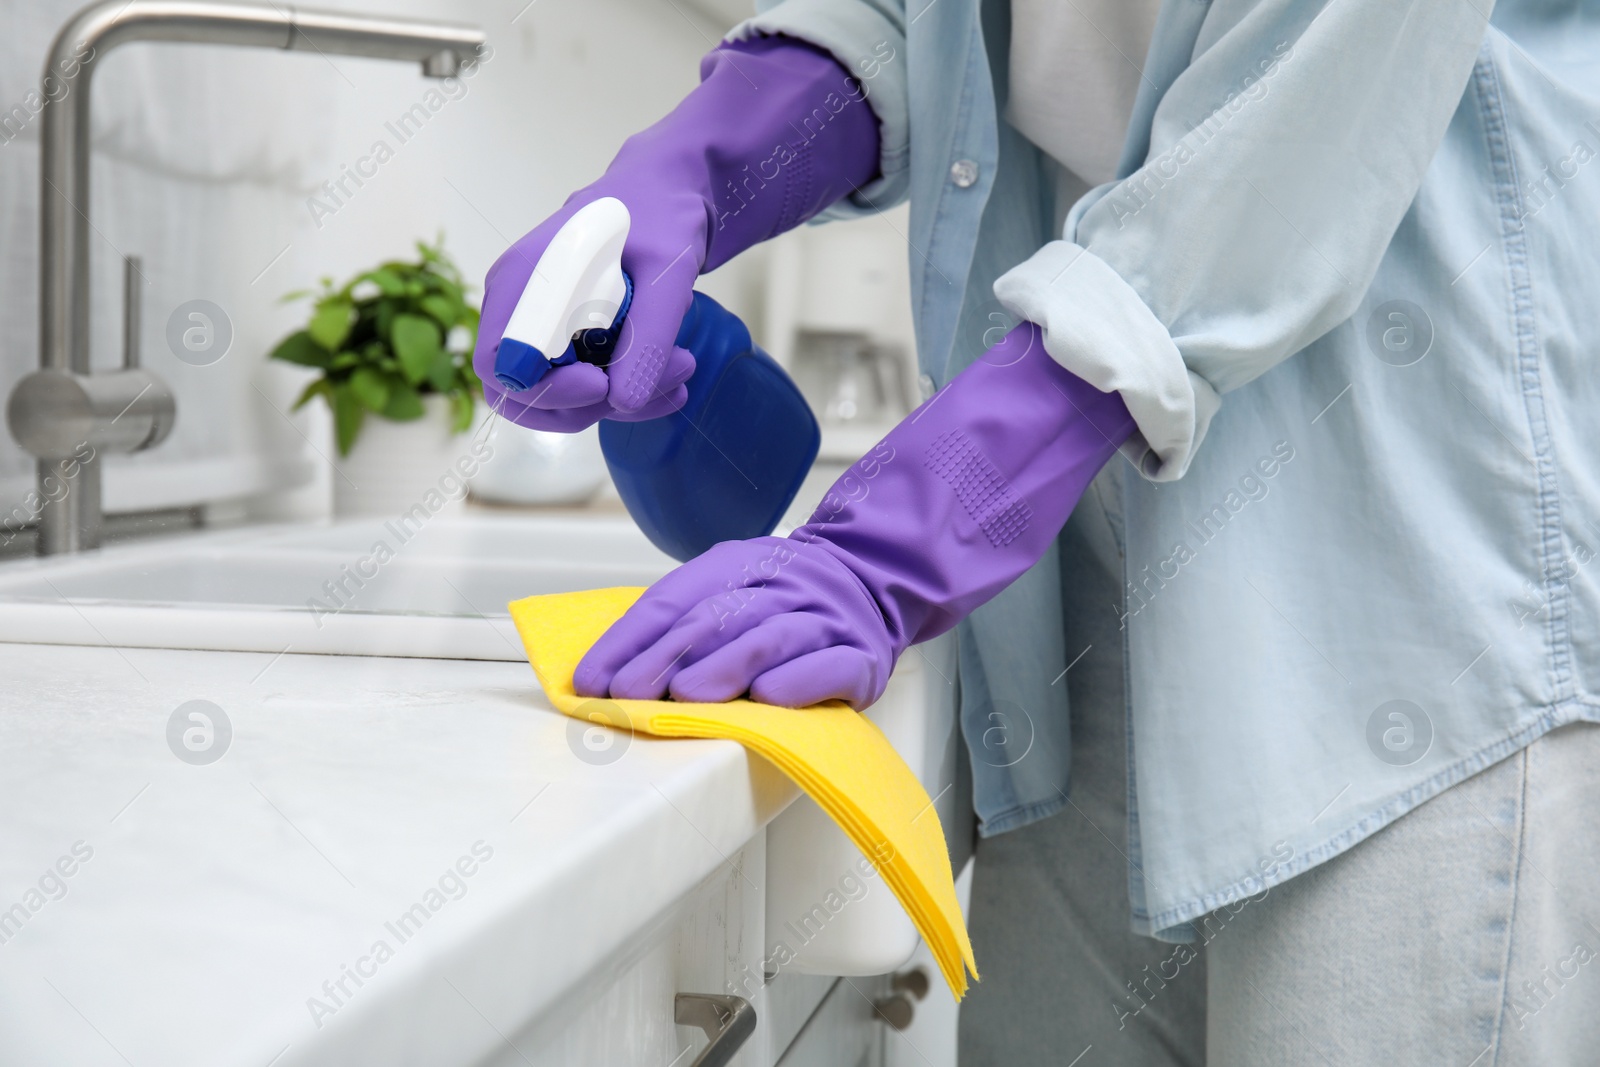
{"type": "Point", "coordinates": [540, 467]}
{"type": "Point", "coordinates": [395, 466]}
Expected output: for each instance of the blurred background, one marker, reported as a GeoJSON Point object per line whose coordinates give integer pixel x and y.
{"type": "Point", "coordinates": [209, 163]}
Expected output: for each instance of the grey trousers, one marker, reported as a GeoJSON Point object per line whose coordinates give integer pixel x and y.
{"type": "Point", "coordinates": [1465, 934]}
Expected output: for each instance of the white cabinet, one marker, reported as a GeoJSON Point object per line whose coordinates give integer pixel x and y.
{"type": "Point", "coordinates": [622, 1014]}
{"type": "Point", "coordinates": [843, 1031]}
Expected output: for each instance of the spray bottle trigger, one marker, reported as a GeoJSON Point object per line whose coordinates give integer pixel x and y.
{"type": "Point", "coordinates": [577, 284]}
{"type": "Point", "coordinates": [595, 344]}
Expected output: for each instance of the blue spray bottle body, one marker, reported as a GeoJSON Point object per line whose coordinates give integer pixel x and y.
{"type": "Point", "coordinates": [724, 467]}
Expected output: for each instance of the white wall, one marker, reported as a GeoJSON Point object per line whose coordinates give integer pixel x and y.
{"type": "Point", "coordinates": [205, 159]}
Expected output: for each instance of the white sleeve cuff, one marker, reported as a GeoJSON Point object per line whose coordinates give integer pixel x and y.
{"type": "Point", "coordinates": [1100, 329]}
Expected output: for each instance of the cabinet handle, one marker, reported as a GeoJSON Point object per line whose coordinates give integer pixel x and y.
{"type": "Point", "coordinates": [914, 983]}
{"type": "Point", "coordinates": [727, 1021]}
{"type": "Point", "coordinates": [896, 1011]}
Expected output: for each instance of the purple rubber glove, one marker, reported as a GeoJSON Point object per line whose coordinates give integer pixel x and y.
{"type": "Point", "coordinates": [775, 132]}
{"type": "Point", "coordinates": [950, 508]}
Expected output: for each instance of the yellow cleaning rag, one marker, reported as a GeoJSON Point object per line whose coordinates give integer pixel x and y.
{"type": "Point", "coordinates": [837, 756]}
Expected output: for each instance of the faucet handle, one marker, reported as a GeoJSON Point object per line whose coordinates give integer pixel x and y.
{"type": "Point", "coordinates": [132, 302]}
{"type": "Point", "coordinates": [54, 414]}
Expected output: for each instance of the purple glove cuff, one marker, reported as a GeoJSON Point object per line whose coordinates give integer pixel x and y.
{"type": "Point", "coordinates": [769, 177]}
{"type": "Point", "coordinates": [989, 469]}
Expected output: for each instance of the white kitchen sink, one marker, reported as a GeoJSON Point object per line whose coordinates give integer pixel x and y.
{"type": "Point", "coordinates": [363, 587]}
{"type": "Point", "coordinates": [439, 590]}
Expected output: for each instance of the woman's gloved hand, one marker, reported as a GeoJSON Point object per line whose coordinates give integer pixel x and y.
{"type": "Point", "coordinates": [775, 132]}
{"type": "Point", "coordinates": [796, 627]}
{"type": "Point", "coordinates": [950, 508]}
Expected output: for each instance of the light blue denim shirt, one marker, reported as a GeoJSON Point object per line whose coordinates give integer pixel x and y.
{"type": "Point", "coordinates": [1352, 577]}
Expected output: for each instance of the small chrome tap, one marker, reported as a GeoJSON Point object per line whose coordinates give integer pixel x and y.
{"type": "Point", "coordinates": [64, 415]}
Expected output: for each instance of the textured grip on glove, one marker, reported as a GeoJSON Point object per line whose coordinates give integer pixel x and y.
{"type": "Point", "coordinates": [982, 489]}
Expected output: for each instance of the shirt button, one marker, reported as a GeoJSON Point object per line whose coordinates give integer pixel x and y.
{"type": "Point", "coordinates": [964, 172]}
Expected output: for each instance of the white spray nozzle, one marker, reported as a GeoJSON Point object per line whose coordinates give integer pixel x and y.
{"type": "Point", "coordinates": [577, 285]}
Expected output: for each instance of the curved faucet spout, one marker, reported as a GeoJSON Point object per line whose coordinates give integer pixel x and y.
{"type": "Point", "coordinates": [73, 522]}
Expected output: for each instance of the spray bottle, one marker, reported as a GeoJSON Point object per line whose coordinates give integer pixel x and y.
{"type": "Point", "coordinates": [724, 467]}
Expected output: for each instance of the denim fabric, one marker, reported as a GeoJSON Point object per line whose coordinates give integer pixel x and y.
{"type": "Point", "coordinates": [1049, 909]}
{"type": "Point", "coordinates": [1360, 319]}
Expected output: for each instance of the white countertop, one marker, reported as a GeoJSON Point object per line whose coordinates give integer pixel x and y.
{"type": "Point", "coordinates": [218, 899]}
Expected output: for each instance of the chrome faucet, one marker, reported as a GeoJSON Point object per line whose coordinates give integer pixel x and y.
{"type": "Point", "coordinates": [62, 414]}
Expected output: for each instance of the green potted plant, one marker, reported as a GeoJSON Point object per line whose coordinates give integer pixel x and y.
{"type": "Point", "coordinates": [392, 346]}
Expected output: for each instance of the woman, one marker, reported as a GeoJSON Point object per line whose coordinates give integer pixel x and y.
{"type": "Point", "coordinates": [1320, 658]}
